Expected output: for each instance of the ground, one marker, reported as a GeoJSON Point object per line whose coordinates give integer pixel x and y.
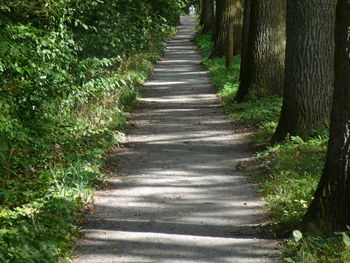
{"type": "Point", "coordinates": [176, 195]}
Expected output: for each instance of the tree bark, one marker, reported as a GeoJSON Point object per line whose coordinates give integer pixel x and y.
{"type": "Point", "coordinates": [266, 44]}
{"type": "Point", "coordinates": [230, 46]}
{"type": "Point", "coordinates": [246, 55]}
{"type": "Point", "coordinates": [213, 24]}
{"type": "Point", "coordinates": [232, 12]}
{"type": "Point", "coordinates": [309, 69]}
{"type": "Point", "coordinates": [329, 211]}
{"type": "Point", "coordinates": [207, 16]}
{"type": "Point", "coordinates": [201, 16]}
{"type": "Point", "coordinates": [218, 17]}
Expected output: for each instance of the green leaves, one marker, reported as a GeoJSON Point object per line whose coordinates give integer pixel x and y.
{"type": "Point", "coordinates": [69, 71]}
{"type": "Point", "coordinates": [297, 235]}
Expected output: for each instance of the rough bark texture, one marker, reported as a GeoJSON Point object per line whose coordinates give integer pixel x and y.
{"type": "Point", "coordinates": [218, 16]}
{"type": "Point", "coordinates": [207, 16]}
{"type": "Point", "coordinates": [246, 55]}
{"type": "Point", "coordinates": [268, 36]}
{"type": "Point", "coordinates": [329, 210]}
{"type": "Point", "coordinates": [309, 68]}
{"type": "Point", "coordinates": [213, 24]}
{"type": "Point", "coordinates": [232, 13]}
{"type": "Point", "coordinates": [230, 46]}
{"type": "Point", "coordinates": [201, 16]}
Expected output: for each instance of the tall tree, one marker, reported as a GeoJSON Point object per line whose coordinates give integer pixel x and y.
{"type": "Point", "coordinates": [265, 33]}
{"type": "Point", "coordinates": [201, 15]}
{"type": "Point", "coordinates": [309, 68]}
{"type": "Point", "coordinates": [218, 16]}
{"type": "Point", "coordinates": [213, 24]}
{"type": "Point", "coordinates": [329, 210]}
{"type": "Point", "coordinates": [231, 14]}
{"type": "Point", "coordinates": [247, 64]}
{"type": "Point", "coordinates": [207, 15]}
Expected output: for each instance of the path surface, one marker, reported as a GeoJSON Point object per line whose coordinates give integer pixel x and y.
{"type": "Point", "coordinates": [177, 196]}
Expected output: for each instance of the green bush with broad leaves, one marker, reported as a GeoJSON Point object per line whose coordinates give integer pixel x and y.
{"type": "Point", "coordinates": [69, 72]}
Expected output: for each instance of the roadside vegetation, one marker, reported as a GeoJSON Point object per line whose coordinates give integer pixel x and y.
{"type": "Point", "coordinates": [287, 172]}
{"type": "Point", "coordinates": [70, 71]}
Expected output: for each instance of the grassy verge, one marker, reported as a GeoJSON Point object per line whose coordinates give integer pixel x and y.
{"type": "Point", "coordinates": [288, 173]}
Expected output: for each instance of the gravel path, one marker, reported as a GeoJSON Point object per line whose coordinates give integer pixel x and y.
{"type": "Point", "coordinates": [177, 196]}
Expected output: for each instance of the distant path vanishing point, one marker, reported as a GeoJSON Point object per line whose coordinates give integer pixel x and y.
{"type": "Point", "coordinates": [177, 197]}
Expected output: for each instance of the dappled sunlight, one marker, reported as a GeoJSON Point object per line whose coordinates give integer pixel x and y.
{"type": "Point", "coordinates": [177, 196]}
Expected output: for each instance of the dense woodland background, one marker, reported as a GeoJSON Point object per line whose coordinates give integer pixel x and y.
{"type": "Point", "coordinates": [70, 70]}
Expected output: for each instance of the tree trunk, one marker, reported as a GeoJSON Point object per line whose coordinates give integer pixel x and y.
{"type": "Point", "coordinates": [207, 16]}
{"type": "Point", "coordinates": [329, 211]}
{"type": "Point", "coordinates": [262, 67]}
{"type": "Point", "coordinates": [309, 68]}
{"type": "Point", "coordinates": [201, 16]}
{"type": "Point", "coordinates": [231, 13]}
{"type": "Point", "coordinates": [213, 24]}
{"type": "Point", "coordinates": [246, 55]}
{"type": "Point", "coordinates": [230, 46]}
{"type": "Point", "coordinates": [218, 17]}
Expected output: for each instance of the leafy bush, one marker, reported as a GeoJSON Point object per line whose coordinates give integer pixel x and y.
{"type": "Point", "coordinates": [69, 72]}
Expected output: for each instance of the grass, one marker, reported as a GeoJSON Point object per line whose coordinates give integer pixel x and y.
{"type": "Point", "coordinates": [288, 173]}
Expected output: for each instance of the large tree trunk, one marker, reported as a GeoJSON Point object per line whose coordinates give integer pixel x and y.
{"type": "Point", "coordinates": [330, 209]}
{"type": "Point", "coordinates": [218, 17]}
{"type": "Point", "coordinates": [207, 19]}
{"type": "Point", "coordinates": [201, 16]}
{"type": "Point", "coordinates": [266, 45]}
{"type": "Point", "coordinates": [231, 14]}
{"type": "Point", "coordinates": [309, 68]}
{"type": "Point", "coordinates": [213, 24]}
{"type": "Point", "coordinates": [246, 55]}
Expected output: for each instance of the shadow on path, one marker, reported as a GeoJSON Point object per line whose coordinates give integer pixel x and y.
{"type": "Point", "coordinates": [177, 196]}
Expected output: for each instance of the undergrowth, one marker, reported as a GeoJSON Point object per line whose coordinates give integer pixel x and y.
{"type": "Point", "coordinates": [70, 71]}
{"type": "Point", "coordinates": [288, 173]}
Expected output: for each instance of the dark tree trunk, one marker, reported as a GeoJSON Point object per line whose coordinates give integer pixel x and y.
{"type": "Point", "coordinates": [230, 46]}
{"type": "Point", "coordinates": [231, 14]}
{"type": "Point", "coordinates": [213, 24]}
{"type": "Point", "coordinates": [246, 55]}
{"type": "Point", "coordinates": [309, 70]}
{"type": "Point", "coordinates": [207, 16]}
{"type": "Point", "coordinates": [330, 209]}
{"type": "Point", "coordinates": [218, 17]}
{"type": "Point", "coordinates": [263, 63]}
{"type": "Point", "coordinates": [201, 16]}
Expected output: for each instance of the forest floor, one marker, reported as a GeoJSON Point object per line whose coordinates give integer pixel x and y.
{"type": "Point", "coordinates": [176, 195]}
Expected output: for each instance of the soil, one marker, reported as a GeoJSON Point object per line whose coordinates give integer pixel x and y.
{"type": "Point", "coordinates": [177, 196]}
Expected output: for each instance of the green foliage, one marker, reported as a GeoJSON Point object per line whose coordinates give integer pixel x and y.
{"type": "Point", "coordinates": [318, 249]}
{"type": "Point", "coordinates": [288, 172]}
{"type": "Point", "coordinates": [291, 179]}
{"type": "Point", "coordinates": [69, 72]}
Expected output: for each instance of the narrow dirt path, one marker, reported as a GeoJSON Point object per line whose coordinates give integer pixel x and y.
{"type": "Point", "coordinates": [177, 196]}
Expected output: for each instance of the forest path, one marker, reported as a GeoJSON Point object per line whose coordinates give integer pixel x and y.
{"type": "Point", "coordinates": [178, 197]}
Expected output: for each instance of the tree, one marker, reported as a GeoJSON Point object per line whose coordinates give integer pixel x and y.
{"type": "Point", "coordinates": [264, 37]}
{"type": "Point", "coordinates": [231, 14]}
{"type": "Point", "coordinates": [213, 24]}
{"type": "Point", "coordinates": [246, 55]}
{"type": "Point", "coordinates": [329, 211]}
{"type": "Point", "coordinates": [309, 68]}
{"type": "Point", "coordinates": [207, 16]}
{"type": "Point", "coordinates": [218, 15]}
